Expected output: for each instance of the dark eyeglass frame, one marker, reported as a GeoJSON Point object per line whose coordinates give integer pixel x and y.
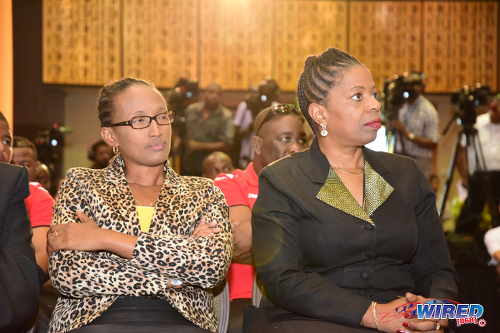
{"type": "Point", "coordinates": [150, 120]}
{"type": "Point", "coordinates": [279, 110]}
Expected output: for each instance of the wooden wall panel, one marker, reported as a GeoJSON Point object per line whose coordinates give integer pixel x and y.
{"type": "Point", "coordinates": [161, 40]}
{"type": "Point", "coordinates": [304, 28]}
{"type": "Point", "coordinates": [235, 42]}
{"type": "Point", "coordinates": [437, 40]}
{"type": "Point", "coordinates": [460, 44]}
{"type": "Point", "coordinates": [81, 41]}
{"type": "Point", "coordinates": [386, 36]}
{"type": "Point", "coordinates": [238, 43]}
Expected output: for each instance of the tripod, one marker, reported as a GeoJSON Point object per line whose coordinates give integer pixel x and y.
{"type": "Point", "coordinates": [471, 143]}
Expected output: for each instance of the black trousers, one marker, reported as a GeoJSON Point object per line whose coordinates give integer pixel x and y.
{"type": "Point", "coordinates": [131, 314]}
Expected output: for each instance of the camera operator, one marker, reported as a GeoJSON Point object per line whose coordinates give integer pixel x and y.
{"type": "Point", "coordinates": [488, 135]}
{"type": "Point", "coordinates": [417, 126]}
{"type": "Point", "coordinates": [184, 93]}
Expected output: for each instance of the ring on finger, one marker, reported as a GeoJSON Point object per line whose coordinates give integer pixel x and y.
{"type": "Point", "coordinates": [438, 326]}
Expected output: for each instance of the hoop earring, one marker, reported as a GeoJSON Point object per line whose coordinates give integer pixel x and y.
{"type": "Point", "coordinates": [116, 150]}
{"type": "Point", "coordinates": [323, 132]}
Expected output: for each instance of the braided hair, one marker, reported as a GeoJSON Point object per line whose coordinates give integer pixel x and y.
{"type": "Point", "coordinates": [110, 91]}
{"type": "Point", "coordinates": [320, 74]}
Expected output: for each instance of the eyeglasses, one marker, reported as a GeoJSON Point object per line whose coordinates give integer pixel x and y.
{"type": "Point", "coordinates": [278, 110]}
{"type": "Point", "coordinates": [140, 122]}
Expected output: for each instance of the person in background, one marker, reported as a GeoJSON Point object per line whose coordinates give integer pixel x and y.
{"type": "Point", "coordinates": [343, 236]}
{"type": "Point", "coordinates": [266, 94]}
{"type": "Point", "coordinates": [100, 153]}
{"type": "Point", "coordinates": [209, 128]}
{"type": "Point", "coordinates": [39, 203]}
{"type": "Point", "coordinates": [134, 246]}
{"type": "Point", "coordinates": [216, 163]}
{"type": "Point", "coordinates": [279, 131]}
{"type": "Point", "coordinates": [19, 273]}
{"type": "Point", "coordinates": [43, 175]}
{"type": "Point", "coordinates": [418, 126]}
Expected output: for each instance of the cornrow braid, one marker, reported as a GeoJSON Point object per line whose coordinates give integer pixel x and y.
{"type": "Point", "coordinates": [110, 91]}
{"type": "Point", "coordinates": [320, 74]}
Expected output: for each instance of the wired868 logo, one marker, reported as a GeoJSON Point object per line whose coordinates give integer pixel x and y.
{"type": "Point", "coordinates": [447, 309]}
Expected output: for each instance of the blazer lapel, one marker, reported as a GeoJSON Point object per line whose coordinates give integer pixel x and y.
{"type": "Point", "coordinates": [377, 190]}
{"type": "Point", "coordinates": [335, 194]}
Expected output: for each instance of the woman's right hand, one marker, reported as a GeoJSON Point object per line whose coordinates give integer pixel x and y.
{"type": "Point", "coordinates": [205, 228]}
{"type": "Point", "coordinates": [387, 318]}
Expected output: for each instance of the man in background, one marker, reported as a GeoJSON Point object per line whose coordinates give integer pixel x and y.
{"type": "Point", "coordinates": [417, 126]}
{"type": "Point", "coordinates": [19, 275]}
{"type": "Point", "coordinates": [279, 131]}
{"type": "Point", "coordinates": [209, 128]}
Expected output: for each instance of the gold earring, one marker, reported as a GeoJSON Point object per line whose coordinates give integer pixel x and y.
{"type": "Point", "coordinates": [116, 150]}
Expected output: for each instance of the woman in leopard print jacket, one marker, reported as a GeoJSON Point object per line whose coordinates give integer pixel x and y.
{"type": "Point", "coordinates": [135, 247]}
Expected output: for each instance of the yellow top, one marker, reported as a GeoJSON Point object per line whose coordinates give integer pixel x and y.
{"type": "Point", "coordinates": [145, 214]}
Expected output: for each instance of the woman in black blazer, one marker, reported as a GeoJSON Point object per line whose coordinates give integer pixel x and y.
{"type": "Point", "coordinates": [342, 235]}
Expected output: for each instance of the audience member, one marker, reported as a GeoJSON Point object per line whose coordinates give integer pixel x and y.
{"type": "Point", "coordinates": [216, 163]}
{"type": "Point", "coordinates": [340, 232]}
{"type": "Point", "coordinates": [134, 246]}
{"type": "Point", "coordinates": [279, 131]}
{"type": "Point", "coordinates": [19, 276]}
{"type": "Point", "coordinates": [100, 153]}
{"type": "Point", "coordinates": [209, 128]}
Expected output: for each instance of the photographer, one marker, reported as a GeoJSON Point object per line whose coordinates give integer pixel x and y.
{"type": "Point", "coordinates": [417, 126]}
{"type": "Point", "coordinates": [487, 151]}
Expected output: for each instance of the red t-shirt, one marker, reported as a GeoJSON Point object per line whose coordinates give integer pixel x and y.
{"type": "Point", "coordinates": [240, 189]}
{"type": "Point", "coordinates": [39, 205]}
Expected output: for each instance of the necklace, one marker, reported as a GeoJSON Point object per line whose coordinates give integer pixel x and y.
{"type": "Point", "coordinates": [352, 171]}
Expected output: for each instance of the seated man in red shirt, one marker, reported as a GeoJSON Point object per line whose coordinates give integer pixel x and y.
{"type": "Point", "coordinates": [279, 130]}
{"type": "Point", "coordinates": [39, 203]}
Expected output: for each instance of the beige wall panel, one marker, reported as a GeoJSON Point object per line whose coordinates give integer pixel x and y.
{"type": "Point", "coordinates": [235, 42]}
{"type": "Point", "coordinates": [386, 36]}
{"type": "Point", "coordinates": [161, 40]}
{"type": "Point", "coordinates": [304, 28]}
{"type": "Point", "coordinates": [81, 41]}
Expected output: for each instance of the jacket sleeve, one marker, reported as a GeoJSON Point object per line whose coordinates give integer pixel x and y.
{"type": "Point", "coordinates": [279, 262]}
{"type": "Point", "coordinates": [431, 265]}
{"type": "Point", "coordinates": [199, 261]}
{"type": "Point", "coordinates": [89, 273]}
{"type": "Point", "coordinates": [18, 270]}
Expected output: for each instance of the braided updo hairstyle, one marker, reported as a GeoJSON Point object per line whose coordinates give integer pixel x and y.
{"type": "Point", "coordinates": [320, 74]}
{"type": "Point", "coordinates": [110, 91]}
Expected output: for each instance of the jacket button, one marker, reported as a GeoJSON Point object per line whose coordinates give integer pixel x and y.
{"type": "Point", "coordinates": [369, 226]}
{"type": "Point", "coordinates": [365, 275]}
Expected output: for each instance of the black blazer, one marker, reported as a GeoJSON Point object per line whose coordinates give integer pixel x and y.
{"type": "Point", "coordinates": [19, 280]}
{"type": "Point", "coordinates": [316, 260]}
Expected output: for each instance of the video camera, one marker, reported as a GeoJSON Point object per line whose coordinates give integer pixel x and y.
{"type": "Point", "coordinates": [183, 93]}
{"type": "Point", "coordinates": [263, 96]}
{"type": "Point", "coordinates": [398, 91]}
{"type": "Point", "coordinates": [467, 100]}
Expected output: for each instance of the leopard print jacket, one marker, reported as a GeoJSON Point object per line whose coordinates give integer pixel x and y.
{"type": "Point", "coordinates": [90, 281]}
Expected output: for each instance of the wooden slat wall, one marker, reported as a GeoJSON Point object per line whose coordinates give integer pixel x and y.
{"type": "Point", "coordinates": [460, 44]}
{"type": "Point", "coordinates": [81, 41]}
{"type": "Point", "coordinates": [296, 35]}
{"type": "Point", "coordinates": [237, 43]}
{"type": "Point", "coordinates": [161, 40]}
{"type": "Point", "coordinates": [386, 36]}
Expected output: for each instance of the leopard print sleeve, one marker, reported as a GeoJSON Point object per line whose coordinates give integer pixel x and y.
{"type": "Point", "coordinates": [199, 261]}
{"type": "Point", "coordinates": [84, 273]}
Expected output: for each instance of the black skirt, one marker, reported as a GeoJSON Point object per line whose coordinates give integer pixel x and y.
{"type": "Point", "coordinates": [132, 314]}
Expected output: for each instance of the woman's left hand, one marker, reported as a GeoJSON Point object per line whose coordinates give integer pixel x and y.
{"type": "Point", "coordinates": [424, 325]}
{"type": "Point", "coordinates": [84, 236]}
